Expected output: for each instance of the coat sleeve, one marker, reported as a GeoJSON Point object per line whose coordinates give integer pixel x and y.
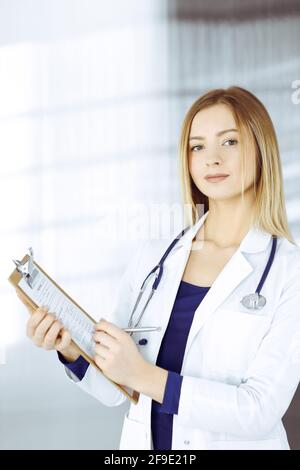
{"type": "Point", "coordinates": [94, 383]}
{"type": "Point", "coordinates": [254, 407]}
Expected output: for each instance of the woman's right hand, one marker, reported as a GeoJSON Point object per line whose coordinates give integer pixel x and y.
{"type": "Point", "coordinates": [48, 333]}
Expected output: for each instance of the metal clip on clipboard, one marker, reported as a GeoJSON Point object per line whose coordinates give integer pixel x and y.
{"type": "Point", "coordinates": [26, 268]}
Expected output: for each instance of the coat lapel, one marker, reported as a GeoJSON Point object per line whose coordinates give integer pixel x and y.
{"type": "Point", "coordinates": [173, 269]}
{"type": "Point", "coordinates": [234, 272]}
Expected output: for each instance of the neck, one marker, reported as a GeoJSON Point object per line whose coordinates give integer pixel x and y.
{"type": "Point", "coordinates": [228, 221]}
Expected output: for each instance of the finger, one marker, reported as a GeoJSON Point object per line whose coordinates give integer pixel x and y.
{"type": "Point", "coordinates": [51, 335]}
{"type": "Point", "coordinates": [105, 339]}
{"type": "Point", "coordinates": [102, 351]}
{"type": "Point", "coordinates": [110, 328]}
{"type": "Point", "coordinates": [34, 321]}
{"type": "Point", "coordinates": [64, 341]}
{"type": "Point", "coordinates": [42, 329]}
{"type": "Point", "coordinates": [100, 362]}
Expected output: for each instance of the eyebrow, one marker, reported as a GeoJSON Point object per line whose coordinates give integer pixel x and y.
{"type": "Point", "coordinates": [198, 137]}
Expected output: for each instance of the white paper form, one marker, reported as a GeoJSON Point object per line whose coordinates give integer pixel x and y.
{"type": "Point", "coordinates": [80, 326]}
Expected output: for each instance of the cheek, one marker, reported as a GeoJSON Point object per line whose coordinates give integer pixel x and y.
{"type": "Point", "coordinates": [196, 168]}
{"type": "Point", "coordinates": [235, 168]}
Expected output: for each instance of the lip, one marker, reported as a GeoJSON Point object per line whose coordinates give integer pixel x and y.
{"type": "Point", "coordinates": [216, 178]}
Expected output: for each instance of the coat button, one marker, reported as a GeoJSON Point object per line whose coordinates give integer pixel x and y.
{"type": "Point", "coordinates": [186, 442]}
{"type": "Point", "coordinates": [143, 341]}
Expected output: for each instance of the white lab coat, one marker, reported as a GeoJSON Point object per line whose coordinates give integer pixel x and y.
{"type": "Point", "coordinates": [240, 369]}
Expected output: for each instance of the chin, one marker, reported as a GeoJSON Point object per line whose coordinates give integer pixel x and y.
{"type": "Point", "coordinates": [222, 195]}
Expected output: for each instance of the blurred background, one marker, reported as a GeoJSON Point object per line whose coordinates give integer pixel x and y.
{"type": "Point", "coordinates": [92, 97]}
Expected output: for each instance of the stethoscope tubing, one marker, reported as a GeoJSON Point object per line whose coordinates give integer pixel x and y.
{"type": "Point", "coordinates": [157, 271]}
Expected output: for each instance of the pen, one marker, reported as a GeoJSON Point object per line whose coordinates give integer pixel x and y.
{"type": "Point", "coordinates": [142, 329]}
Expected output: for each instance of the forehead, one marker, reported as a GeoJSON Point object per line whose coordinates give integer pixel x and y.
{"type": "Point", "coordinates": [212, 120]}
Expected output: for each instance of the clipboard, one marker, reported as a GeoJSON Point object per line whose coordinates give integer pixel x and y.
{"type": "Point", "coordinates": [39, 289]}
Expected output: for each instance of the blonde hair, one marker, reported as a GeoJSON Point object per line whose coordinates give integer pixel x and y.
{"type": "Point", "coordinates": [257, 133]}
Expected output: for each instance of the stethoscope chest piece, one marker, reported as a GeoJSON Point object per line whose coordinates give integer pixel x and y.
{"type": "Point", "coordinates": [254, 301]}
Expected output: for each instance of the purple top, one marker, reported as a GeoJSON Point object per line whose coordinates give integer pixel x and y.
{"type": "Point", "coordinates": [170, 357]}
{"type": "Point", "coordinates": [78, 367]}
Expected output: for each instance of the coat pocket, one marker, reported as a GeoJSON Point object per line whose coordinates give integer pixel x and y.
{"type": "Point", "coordinates": [134, 435]}
{"type": "Point", "coordinates": [232, 339]}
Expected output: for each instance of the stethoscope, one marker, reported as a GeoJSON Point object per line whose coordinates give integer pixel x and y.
{"type": "Point", "coordinates": [254, 301]}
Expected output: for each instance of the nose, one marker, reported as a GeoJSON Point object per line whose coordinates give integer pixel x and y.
{"type": "Point", "coordinates": [212, 158]}
{"type": "Point", "coordinates": [212, 162]}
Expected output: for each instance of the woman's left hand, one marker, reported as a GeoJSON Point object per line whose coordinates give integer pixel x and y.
{"type": "Point", "coordinates": [117, 355]}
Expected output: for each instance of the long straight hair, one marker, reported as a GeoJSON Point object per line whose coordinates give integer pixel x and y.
{"type": "Point", "coordinates": [257, 134]}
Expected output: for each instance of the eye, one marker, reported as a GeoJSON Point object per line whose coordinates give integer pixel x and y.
{"type": "Point", "coordinates": [232, 142]}
{"type": "Point", "coordinates": [194, 149]}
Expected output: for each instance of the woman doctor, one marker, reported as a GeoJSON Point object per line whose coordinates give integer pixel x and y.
{"type": "Point", "coordinates": [223, 370]}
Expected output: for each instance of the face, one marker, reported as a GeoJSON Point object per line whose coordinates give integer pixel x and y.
{"type": "Point", "coordinates": [214, 147]}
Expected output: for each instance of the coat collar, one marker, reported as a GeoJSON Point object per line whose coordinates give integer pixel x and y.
{"type": "Point", "coordinates": [256, 240]}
